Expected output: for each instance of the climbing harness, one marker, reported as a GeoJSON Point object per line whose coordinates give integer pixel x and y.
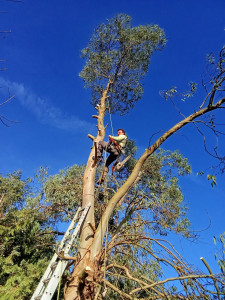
{"type": "Point", "coordinates": [118, 147]}
{"type": "Point", "coordinates": [112, 143]}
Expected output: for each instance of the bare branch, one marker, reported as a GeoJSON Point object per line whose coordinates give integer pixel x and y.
{"type": "Point", "coordinates": [98, 238]}
{"type": "Point", "coordinates": [204, 139]}
{"type": "Point", "coordinates": [9, 99]}
{"type": "Point", "coordinates": [91, 137]}
{"type": "Point", "coordinates": [113, 287]}
{"type": "Point", "coordinates": [173, 279]}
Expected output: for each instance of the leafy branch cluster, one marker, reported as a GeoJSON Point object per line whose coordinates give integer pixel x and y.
{"type": "Point", "coordinates": [120, 54]}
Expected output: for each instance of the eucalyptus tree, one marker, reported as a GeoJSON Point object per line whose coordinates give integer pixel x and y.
{"type": "Point", "coordinates": [117, 59]}
{"type": "Point", "coordinates": [118, 255]}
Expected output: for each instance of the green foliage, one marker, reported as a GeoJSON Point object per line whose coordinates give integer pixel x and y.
{"type": "Point", "coordinates": [220, 258]}
{"type": "Point", "coordinates": [12, 191]}
{"type": "Point", "coordinates": [173, 92]}
{"type": "Point", "coordinates": [24, 251]}
{"type": "Point", "coordinates": [212, 178]}
{"type": "Point", "coordinates": [27, 227]}
{"type": "Point", "coordinates": [220, 255]}
{"type": "Point", "coordinates": [63, 193]}
{"type": "Point", "coordinates": [120, 53]}
{"type": "Point", "coordinates": [211, 58]}
{"type": "Point", "coordinates": [153, 206]}
{"type": "Point", "coordinates": [214, 80]}
{"type": "Point", "coordinates": [30, 210]}
{"type": "Point", "coordinates": [157, 196]}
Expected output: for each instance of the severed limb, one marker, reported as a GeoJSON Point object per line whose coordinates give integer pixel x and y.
{"type": "Point", "coordinates": [67, 257]}
{"type": "Point", "coordinates": [211, 273]}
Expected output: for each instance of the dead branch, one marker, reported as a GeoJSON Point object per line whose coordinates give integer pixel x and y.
{"type": "Point", "coordinates": [173, 279]}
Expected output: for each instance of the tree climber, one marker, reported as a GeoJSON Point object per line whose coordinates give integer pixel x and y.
{"type": "Point", "coordinates": [115, 147]}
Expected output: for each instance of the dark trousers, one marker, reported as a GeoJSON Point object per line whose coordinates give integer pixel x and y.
{"type": "Point", "coordinates": [110, 148]}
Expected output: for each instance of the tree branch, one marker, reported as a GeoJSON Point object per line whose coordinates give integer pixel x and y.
{"type": "Point", "coordinates": [99, 236]}
{"type": "Point", "coordinates": [172, 279]}
{"type": "Point", "coordinates": [123, 294]}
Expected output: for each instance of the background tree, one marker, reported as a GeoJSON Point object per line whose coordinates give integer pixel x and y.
{"type": "Point", "coordinates": [29, 213]}
{"type": "Point", "coordinates": [24, 250]}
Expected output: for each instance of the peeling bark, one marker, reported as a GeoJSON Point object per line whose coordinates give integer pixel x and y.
{"type": "Point", "coordinates": [79, 286]}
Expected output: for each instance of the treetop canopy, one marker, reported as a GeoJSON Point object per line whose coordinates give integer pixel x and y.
{"type": "Point", "coordinates": [119, 54]}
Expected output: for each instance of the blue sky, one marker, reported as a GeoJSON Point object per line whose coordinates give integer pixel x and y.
{"type": "Point", "coordinates": [42, 56]}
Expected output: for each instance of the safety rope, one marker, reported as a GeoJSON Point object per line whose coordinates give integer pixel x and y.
{"type": "Point", "coordinates": [110, 117]}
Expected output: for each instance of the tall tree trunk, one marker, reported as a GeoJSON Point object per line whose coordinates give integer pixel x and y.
{"type": "Point", "coordinates": [81, 284]}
